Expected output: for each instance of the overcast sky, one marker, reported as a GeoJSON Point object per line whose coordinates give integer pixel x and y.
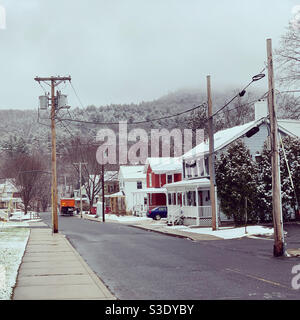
{"type": "Point", "coordinates": [123, 51]}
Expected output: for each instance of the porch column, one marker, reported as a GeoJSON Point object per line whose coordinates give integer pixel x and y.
{"type": "Point", "coordinates": [148, 204]}
{"type": "Point", "coordinates": [217, 214]}
{"type": "Point", "coordinates": [197, 206]}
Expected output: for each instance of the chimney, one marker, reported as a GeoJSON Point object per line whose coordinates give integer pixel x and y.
{"type": "Point", "coordinates": [261, 109]}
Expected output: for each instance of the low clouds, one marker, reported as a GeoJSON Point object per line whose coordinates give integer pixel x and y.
{"type": "Point", "coordinates": [128, 51]}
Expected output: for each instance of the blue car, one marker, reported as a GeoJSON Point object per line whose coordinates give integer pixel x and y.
{"type": "Point", "coordinates": [158, 213]}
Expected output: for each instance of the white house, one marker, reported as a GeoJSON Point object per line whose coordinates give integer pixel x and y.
{"type": "Point", "coordinates": [131, 179]}
{"type": "Point", "coordinates": [191, 196]}
{"type": "Point", "coordinates": [159, 171]}
{"type": "Point", "coordinates": [9, 195]}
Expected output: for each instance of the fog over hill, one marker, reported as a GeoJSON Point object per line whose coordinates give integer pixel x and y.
{"type": "Point", "coordinates": [34, 130]}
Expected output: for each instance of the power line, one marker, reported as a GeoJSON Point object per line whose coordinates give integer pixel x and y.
{"type": "Point", "coordinates": [135, 122]}
{"type": "Point", "coordinates": [76, 94]}
{"type": "Point", "coordinates": [257, 77]}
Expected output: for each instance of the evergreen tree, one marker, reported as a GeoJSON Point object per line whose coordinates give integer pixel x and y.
{"type": "Point", "coordinates": [289, 194]}
{"type": "Point", "coordinates": [236, 181]}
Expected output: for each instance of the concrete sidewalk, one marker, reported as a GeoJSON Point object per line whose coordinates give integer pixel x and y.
{"type": "Point", "coordinates": [53, 270]}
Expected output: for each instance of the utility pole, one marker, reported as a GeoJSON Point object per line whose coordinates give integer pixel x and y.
{"type": "Point", "coordinates": [80, 183]}
{"type": "Point", "coordinates": [211, 159]}
{"type": "Point", "coordinates": [279, 248]}
{"type": "Point", "coordinates": [103, 195]}
{"type": "Point", "coordinates": [54, 81]}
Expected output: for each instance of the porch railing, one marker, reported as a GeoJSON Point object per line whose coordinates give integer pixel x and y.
{"type": "Point", "coordinates": [204, 212]}
{"type": "Point", "coordinates": [173, 214]}
{"type": "Point", "coordinates": [201, 214]}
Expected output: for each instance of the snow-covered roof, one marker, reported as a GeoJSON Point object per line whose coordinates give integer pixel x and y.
{"type": "Point", "coordinates": [132, 172]}
{"type": "Point", "coordinates": [6, 199]}
{"type": "Point", "coordinates": [151, 190]}
{"type": "Point", "coordinates": [108, 176]}
{"type": "Point", "coordinates": [111, 175]}
{"type": "Point", "coordinates": [7, 186]}
{"type": "Point", "coordinates": [164, 165]}
{"type": "Point", "coordinates": [291, 126]}
{"type": "Point", "coordinates": [200, 183]}
{"type": "Point", "coordinates": [224, 137]}
{"type": "Point", "coordinates": [221, 139]}
{"type": "Point", "coordinates": [117, 194]}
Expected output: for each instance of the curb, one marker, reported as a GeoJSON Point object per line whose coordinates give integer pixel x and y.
{"type": "Point", "coordinates": [100, 284]}
{"type": "Point", "coordinates": [183, 235]}
{"type": "Point", "coordinates": [16, 283]}
{"type": "Point", "coordinates": [172, 234]}
{"type": "Point", "coordinates": [175, 235]}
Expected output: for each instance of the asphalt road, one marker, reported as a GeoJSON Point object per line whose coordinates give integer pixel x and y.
{"type": "Point", "coordinates": [137, 264]}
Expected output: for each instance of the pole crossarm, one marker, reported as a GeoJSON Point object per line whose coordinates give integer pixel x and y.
{"type": "Point", "coordinates": [39, 79]}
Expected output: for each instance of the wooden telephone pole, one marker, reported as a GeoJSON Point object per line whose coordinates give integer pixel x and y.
{"type": "Point", "coordinates": [279, 249]}
{"type": "Point", "coordinates": [211, 158]}
{"type": "Point", "coordinates": [54, 82]}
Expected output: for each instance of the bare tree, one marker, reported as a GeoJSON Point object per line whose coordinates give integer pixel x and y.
{"type": "Point", "coordinates": [288, 56]}
{"type": "Point", "coordinates": [25, 171]}
{"type": "Point", "coordinates": [80, 150]}
{"type": "Point", "coordinates": [288, 106]}
{"type": "Point", "coordinates": [43, 196]}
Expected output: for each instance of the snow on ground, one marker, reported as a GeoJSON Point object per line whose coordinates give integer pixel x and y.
{"type": "Point", "coordinates": [13, 240]}
{"type": "Point", "coordinates": [20, 216]}
{"type": "Point", "coordinates": [229, 233]}
{"type": "Point", "coordinates": [126, 218]}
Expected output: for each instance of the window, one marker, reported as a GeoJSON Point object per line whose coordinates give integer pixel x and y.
{"type": "Point", "coordinates": [169, 199]}
{"type": "Point", "coordinates": [179, 199]}
{"type": "Point", "coordinates": [174, 199]}
{"type": "Point", "coordinates": [194, 198]}
{"type": "Point", "coordinates": [188, 171]}
{"type": "Point", "coordinates": [206, 167]}
{"type": "Point", "coordinates": [201, 168]}
{"type": "Point", "coordinates": [188, 198]}
{"type": "Point", "coordinates": [191, 198]}
{"type": "Point", "coordinates": [170, 178]}
{"type": "Point", "coordinates": [139, 185]}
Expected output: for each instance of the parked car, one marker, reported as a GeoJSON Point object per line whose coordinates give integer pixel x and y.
{"type": "Point", "coordinates": [158, 213]}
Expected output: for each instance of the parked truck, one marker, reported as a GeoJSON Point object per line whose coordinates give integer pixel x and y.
{"type": "Point", "coordinates": [67, 206]}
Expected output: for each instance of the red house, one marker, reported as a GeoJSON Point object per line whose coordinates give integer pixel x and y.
{"type": "Point", "coordinates": [161, 171]}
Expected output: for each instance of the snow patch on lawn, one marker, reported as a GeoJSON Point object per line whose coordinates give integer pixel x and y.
{"type": "Point", "coordinates": [21, 216]}
{"type": "Point", "coordinates": [229, 233]}
{"type": "Point", "coordinates": [12, 246]}
{"type": "Point", "coordinates": [126, 218]}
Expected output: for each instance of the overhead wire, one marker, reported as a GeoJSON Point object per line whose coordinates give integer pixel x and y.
{"type": "Point", "coordinates": [257, 77]}
{"type": "Point", "coordinates": [134, 122]}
